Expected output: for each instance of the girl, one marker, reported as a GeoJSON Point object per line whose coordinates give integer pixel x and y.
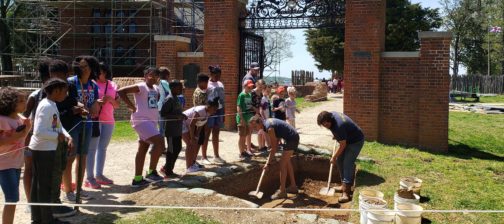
{"type": "Point", "coordinates": [47, 144]}
{"type": "Point", "coordinates": [108, 101]}
{"type": "Point", "coordinates": [13, 131]}
{"type": "Point", "coordinates": [85, 92]}
{"type": "Point", "coordinates": [265, 111]}
{"type": "Point", "coordinates": [290, 106]}
{"type": "Point", "coordinates": [144, 120]}
{"type": "Point", "coordinates": [196, 119]}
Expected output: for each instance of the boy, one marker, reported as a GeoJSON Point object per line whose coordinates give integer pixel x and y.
{"type": "Point", "coordinates": [144, 120]}
{"type": "Point", "coordinates": [279, 104]}
{"type": "Point", "coordinates": [265, 112]}
{"type": "Point", "coordinates": [256, 95]}
{"type": "Point", "coordinates": [164, 91]}
{"type": "Point", "coordinates": [200, 98]}
{"type": "Point", "coordinates": [290, 106]}
{"type": "Point", "coordinates": [245, 112]}
{"type": "Point", "coordinates": [48, 135]}
{"type": "Point", "coordinates": [171, 113]}
{"type": "Point", "coordinates": [276, 130]}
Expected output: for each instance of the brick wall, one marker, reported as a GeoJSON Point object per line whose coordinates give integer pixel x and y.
{"type": "Point", "coordinates": [221, 46]}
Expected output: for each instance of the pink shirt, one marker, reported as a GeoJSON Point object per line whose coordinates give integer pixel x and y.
{"type": "Point", "coordinates": [12, 154]}
{"type": "Point", "coordinates": [146, 104]}
{"type": "Point", "coordinates": [107, 110]}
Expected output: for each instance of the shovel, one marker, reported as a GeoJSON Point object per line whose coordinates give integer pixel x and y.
{"type": "Point", "coordinates": [328, 191]}
{"type": "Point", "coordinates": [257, 193]}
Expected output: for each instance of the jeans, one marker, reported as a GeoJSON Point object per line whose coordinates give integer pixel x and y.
{"type": "Point", "coordinates": [174, 148]}
{"type": "Point", "coordinates": [42, 184]}
{"type": "Point", "coordinates": [98, 151]}
{"type": "Point", "coordinates": [9, 181]}
{"type": "Point", "coordinates": [346, 161]}
{"type": "Point", "coordinates": [81, 145]}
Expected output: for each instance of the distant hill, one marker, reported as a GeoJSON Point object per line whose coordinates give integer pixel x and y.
{"type": "Point", "coordinates": [280, 80]}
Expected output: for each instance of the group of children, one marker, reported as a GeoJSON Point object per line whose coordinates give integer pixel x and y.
{"type": "Point", "coordinates": [255, 100]}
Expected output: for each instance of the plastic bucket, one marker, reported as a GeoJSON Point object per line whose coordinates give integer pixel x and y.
{"type": "Point", "coordinates": [370, 203]}
{"type": "Point", "coordinates": [398, 200]}
{"type": "Point", "coordinates": [408, 214]}
{"type": "Point", "coordinates": [412, 183]}
{"type": "Point", "coordinates": [380, 217]}
{"type": "Point", "coordinates": [368, 193]}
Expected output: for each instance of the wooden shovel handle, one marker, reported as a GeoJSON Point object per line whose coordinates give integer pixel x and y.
{"type": "Point", "coordinates": [260, 180]}
{"type": "Point", "coordinates": [331, 166]}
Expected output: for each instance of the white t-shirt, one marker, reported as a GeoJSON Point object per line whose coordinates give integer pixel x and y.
{"type": "Point", "coordinates": [202, 115]}
{"type": "Point", "coordinates": [265, 105]}
{"type": "Point", "coordinates": [46, 128]}
{"type": "Point", "coordinates": [290, 108]}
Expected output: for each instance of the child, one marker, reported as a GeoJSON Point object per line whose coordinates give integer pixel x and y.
{"type": "Point", "coordinates": [278, 107]}
{"type": "Point", "coordinates": [171, 114]}
{"type": "Point", "coordinates": [98, 146]}
{"type": "Point", "coordinates": [164, 91]}
{"type": "Point", "coordinates": [265, 111]}
{"type": "Point", "coordinates": [144, 120]}
{"type": "Point", "coordinates": [13, 131]}
{"type": "Point", "coordinates": [256, 95]}
{"type": "Point", "coordinates": [181, 96]}
{"type": "Point", "coordinates": [214, 124]}
{"type": "Point", "coordinates": [200, 98]}
{"type": "Point", "coordinates": [245, 112]}
{"type": "Point", "coordinates": [48, 135]}
{"type": "Point", "coordinates": [197, 117]}
{"type": "Point", "coordinates": [290, 106]}
{"type": "Point", "coordinates": [278, 129]}
{"type": "Point", "coordinates": [31, 106]}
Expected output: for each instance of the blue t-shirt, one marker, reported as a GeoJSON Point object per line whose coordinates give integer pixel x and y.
{"type": "Point", "coordinates": [282, 129]}
{"type": "Point", "coordinates": [345, 128]}
{"type": "Point", "coordinates": [86, 94]}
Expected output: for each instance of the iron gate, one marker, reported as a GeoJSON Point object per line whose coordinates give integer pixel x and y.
{"type": "Point", "coordinates": [251, 50]}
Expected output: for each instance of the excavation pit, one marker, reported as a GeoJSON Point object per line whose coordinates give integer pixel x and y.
{"type": "Point", "coordinates": [311, 175]}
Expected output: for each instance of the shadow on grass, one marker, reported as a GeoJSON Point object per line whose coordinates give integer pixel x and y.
{"type": "Point", "coordinates": [463, 151]}
{"type": "Point", "coordinates": [365, 178]}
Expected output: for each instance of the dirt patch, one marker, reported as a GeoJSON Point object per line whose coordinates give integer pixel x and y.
{"type": "Point", "coordinates": [404, 193]}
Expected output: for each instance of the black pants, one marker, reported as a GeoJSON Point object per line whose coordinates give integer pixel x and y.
{"type": "Point", "coordinates": [42, 184]}
{"type": "Point", "coordinates": [173, 151]}
{"type": "Point", "coordinates": [60, 162]}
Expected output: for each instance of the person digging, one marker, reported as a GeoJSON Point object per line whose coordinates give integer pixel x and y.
{"type": "Point", "coordinates": [351, 140]}
{"type": "Point", "coordinates": [277, 129]}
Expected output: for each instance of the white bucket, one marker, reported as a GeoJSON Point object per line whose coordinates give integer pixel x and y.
{"type": "Point", "coordinates": [366, 204]}
{"type": "Point", "coordinates": [408, 214]}
{"type": "Point", "coordinates": [398, 200]}
{"type": "Point", "coordinates": [412, 183]}
{"type": "Point", "coordinates": [380, 217]}
{"type": "Point", "coordinates": [368, 193]}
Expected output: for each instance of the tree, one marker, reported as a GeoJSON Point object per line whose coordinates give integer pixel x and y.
{"type": "Point", "coordinates": [404, 20]}
{"type": "Point", "coordinates": [277, 48]}
{"type": "Point", "coordinates": [5, 37]}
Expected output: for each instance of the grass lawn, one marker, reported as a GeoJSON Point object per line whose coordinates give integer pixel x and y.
{"type": "Point", "coordinates": [492, 99]}
{"type": "Point", "coordinates": [301, 103]}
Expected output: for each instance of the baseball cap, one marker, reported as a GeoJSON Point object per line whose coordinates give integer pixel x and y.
{"type": "Point", "coordinates": [249, 83]}
{"type": "Point", "coordinates": [280, 90]}
{"type": "Point", "coordinates": [255, 66]}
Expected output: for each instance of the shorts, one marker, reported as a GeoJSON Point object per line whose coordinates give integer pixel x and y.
{"type": "Point", "coordinates": [146, 130]}
{"type": "Point", "coordinates": [291, 144]}
{"type": "Point", "coordinates": [217, 120]}
{"type": "Point", "coordinates": [9, 181]}
{"type": "Point", "coordinates": [185, 128]}
{"type": "Point", "coordinates": [81, 145]}
{"type": "Point", "coordinates": [243, 130]}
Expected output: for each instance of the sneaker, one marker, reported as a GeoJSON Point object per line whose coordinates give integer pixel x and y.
{"type": "Point", "coordinates": [206, 162]}
{"type": "Point", "coordinates": [63, 211]}
{"type": "Point", "coordinates": [292, 190]}
{"type": "Point", "coordinates": [199, 165]}
{"type": "Point", "coordinates": [153, 177]}
{"type": "Point", "coordinates": [69, 197]}
{"type": "Point", "coordinates": [263, 149]}
{"type": "Point", "coordinates": [141, 183]}
{"type": "Point", "coordinates": [192, 169]}
{"type": "Point", "coordinates": [85, 196]}
{"type": "Point", "coordinates": [278, 195]}
{"type": "Point", "coordinates": [218, 160]}
{"type": "Point", "coordinates": [249, 152]}
{"type": "Point", "coordinates": [104, 180]}
{"type": "Point", "coordinates": [92, 184]}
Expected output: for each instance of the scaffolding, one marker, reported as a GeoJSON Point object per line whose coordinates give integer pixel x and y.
{"type": "Point", "coordinates": [118, 32]}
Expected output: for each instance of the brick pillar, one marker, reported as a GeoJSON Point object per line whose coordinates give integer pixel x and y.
{"type": "Point", "coordinates": [435, 83]}
{"type": "Point", "coordinates": [365, 40]}
{"type": "Point", "coordinates": [167, 47]}
{"type": "Point", "coordinates": [221, 46]}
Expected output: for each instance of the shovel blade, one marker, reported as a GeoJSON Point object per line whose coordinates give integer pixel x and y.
{"type": "Point", "coordinates": [256, 194]}
{"type": "Point", "coordinates": [327, 191]}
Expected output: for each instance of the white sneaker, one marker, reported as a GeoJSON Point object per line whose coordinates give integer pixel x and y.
{"type": "Point", "coordinates": [69, 197]}
{"type": "Point", "coordinates": [206, 162]}
{"type": "Point", "coordinates": [192, 169]}
{"type": "Point", "coordinates": [218, 160]}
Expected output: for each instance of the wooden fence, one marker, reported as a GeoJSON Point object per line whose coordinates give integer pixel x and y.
{"type": "Point", "coordinates": [485, 84]}
{"type": "Point", "coordinates": [299, 78]}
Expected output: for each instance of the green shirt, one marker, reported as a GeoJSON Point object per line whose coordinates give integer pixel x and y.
{"type": "Point", "coordinates": [245, 103]}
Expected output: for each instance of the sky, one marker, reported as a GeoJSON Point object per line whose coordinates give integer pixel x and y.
{"type": "Point", "coordinates": [302, 60]}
